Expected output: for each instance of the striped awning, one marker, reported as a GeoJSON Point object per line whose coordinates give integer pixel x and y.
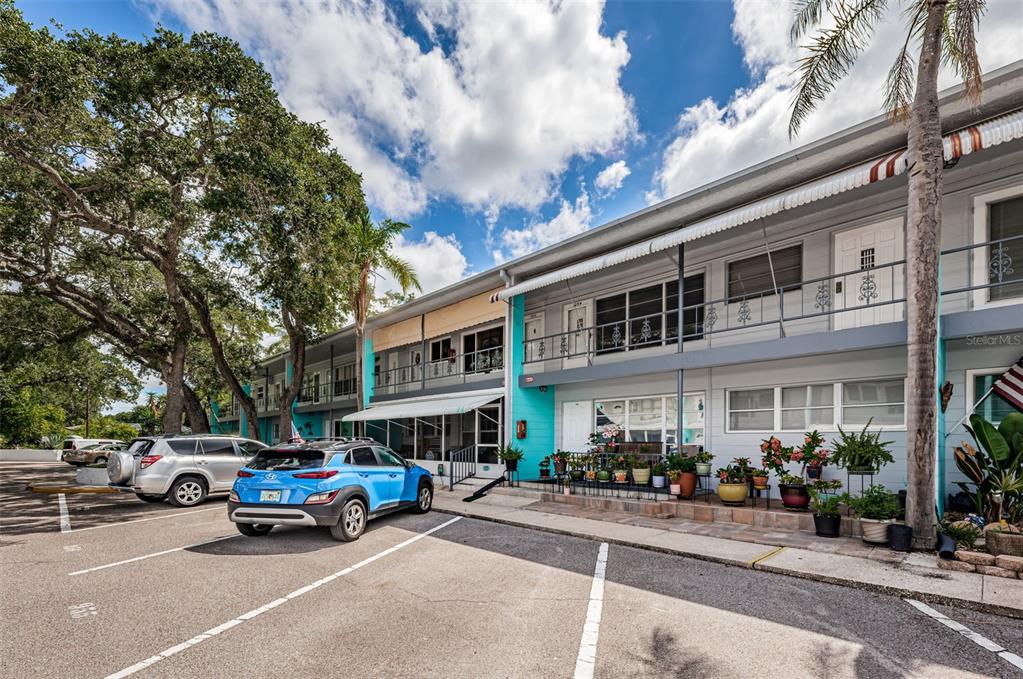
{"type": "Point", "coordinates": [960, 143]}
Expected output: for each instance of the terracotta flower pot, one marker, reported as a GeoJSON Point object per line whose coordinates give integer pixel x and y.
{"type": "Point", "coordinates": [621, 475]}
{"type": "Point", "coordinates": [641, 475]}
{"type": "Point", "coordinates": [732, 493]}
{"type": "Point", "coordinates": [794, 496]}
{"type": "Point", "coordinates": [687, 484]}
{"type": "Point", "coordinates": [759, 482]}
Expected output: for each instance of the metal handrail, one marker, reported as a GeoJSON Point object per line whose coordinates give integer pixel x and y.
{"type": "Point", "coordinates": [477, 362]}
{"type": "Point", "coordinates": [461, 465]}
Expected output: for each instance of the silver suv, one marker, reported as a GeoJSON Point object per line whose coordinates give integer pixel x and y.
{"type": "Point", "coordinates": [182, 469]}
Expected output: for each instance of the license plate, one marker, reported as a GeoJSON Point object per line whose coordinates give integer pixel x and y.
{"type": "Point", "coordinates": [269, 496]}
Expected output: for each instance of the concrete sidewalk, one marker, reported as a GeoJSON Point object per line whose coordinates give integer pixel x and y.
{"type": "Point", "coordinates": [914, 576]}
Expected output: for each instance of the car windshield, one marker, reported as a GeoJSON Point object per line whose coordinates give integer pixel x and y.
{"type": "Point", "coordinates": [287, 459]}
{"type": "Point", "coordinates": [140, 446]}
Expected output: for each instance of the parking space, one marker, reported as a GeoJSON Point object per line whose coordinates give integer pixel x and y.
{"type": "Point", "coordinates": [181, 593]}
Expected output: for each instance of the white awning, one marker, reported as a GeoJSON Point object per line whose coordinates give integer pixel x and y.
{"type": "Point", "coordinates": [963, 142]}
{"type": "Point", "coordinates": [452, 404]}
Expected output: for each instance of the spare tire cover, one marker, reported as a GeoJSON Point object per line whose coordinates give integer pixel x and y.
{"type": "Point", "coordinates": [120, 467]}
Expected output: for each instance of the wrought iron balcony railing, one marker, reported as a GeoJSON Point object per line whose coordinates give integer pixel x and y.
{"type": "Point", "coordinates": [974, 275]}
{"type": "Point", "coordinates": [456, 366]}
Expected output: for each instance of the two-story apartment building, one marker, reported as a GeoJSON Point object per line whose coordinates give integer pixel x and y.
{"type": "Point", "coordinates": [785, 282]}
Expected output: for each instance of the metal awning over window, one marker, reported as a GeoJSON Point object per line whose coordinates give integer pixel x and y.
{"type": "Point", "coordinates": [452, 404]}
{"type": "Point", "coordinates": [963, 142]}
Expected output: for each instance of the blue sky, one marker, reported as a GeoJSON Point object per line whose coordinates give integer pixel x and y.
{"type": "Point", "coordinates": [496, 128]}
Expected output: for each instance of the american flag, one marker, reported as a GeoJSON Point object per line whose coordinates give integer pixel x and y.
{"type": "Point", "coordinates": [295, 436]}
{"type": "Point", "coordinates": [1010, 385]}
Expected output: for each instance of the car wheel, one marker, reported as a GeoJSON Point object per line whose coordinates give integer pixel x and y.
{"type": "Point", "coordinates": [187, 491]}
{"type": "Point", "coordinates": [146, 497]}
{"type": "Point", "coordinates": [352, 522]}
{"type": "Point", "coordinates": [424, 500]}
{"type": "Point", "coordinates": [253, 530]}
{"type": "Point", "coordinates": [100, 460]}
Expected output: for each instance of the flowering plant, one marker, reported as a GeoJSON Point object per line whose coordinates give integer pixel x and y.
{"type": "Point", "coordinates": [774, 455]}
{"type": "Point", "coordinates": [731, 474]}
{"type": "Point", "coordinates": [608, 435]}
{"type": "Point", "coordinates": [619, 462]}
{"type": "Point", "coordinates": [812, 452]}
{"type": "Point", "coordinates": [560, 457]}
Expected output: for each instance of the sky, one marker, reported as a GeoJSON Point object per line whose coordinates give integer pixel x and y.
{"type": "Point", "coordinates": [498, 128]}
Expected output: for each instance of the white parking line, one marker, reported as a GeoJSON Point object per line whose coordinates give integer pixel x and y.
{"type": "Point", "coordinates": [150, 556]}
{"type": "Point", "coordinates": [587, 658]}
{"type": "Point", "coordinates": [65, 520]}
{"type": "Point", "coordinates": [152, 518]}
{"type": "Point", "coordinates": [982, 641]}
{"type": "Point", "coordinates": [210, 633]}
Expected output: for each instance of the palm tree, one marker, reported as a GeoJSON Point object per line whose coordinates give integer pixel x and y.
{"type": "Point", "coordinates": [945, 31]}
{"type": "Point", "coordinates": [371, 251]}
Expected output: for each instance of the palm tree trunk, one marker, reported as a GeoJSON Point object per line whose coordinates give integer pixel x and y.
{"type": "Point", "coordinates": [359, 332]}
{"type": "Point", "coordinates": [923, 239]}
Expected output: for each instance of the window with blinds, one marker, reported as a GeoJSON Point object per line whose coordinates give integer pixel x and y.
{"type": "Point", "coordinates": [752, 276]}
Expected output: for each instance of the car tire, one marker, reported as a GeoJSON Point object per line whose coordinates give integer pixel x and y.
{"type": "Point", "coordinates": [187, 491]}
{"type": "Point", "coordinates": [254, 530]}
{"type": "Point", "coordinates": [100, 460]}
{"type": "Point", "coordinates": [146, 497]}
{"type": "Point", "coordinates": [424, 499]}
{"type": "Point", "coordinates": [120, 468]}
{"type": "Point", "coordinates": [352, 522]}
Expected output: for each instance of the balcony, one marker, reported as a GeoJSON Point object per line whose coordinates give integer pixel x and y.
{"type": "Point", "coordinates": [973, 277]}
{"type": "Point", "coordinates": [341, 390]}
{"type": "Point", "coordinates": [228, 411]}
{"type": "Point", "coordinates": [455, 369]}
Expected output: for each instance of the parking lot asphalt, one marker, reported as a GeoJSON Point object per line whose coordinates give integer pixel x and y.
{"type": "Point", "coordinates": [136, 589]}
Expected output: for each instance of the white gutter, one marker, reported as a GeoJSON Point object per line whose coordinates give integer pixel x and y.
{"type": "Point", "coordinates": [963, 142]}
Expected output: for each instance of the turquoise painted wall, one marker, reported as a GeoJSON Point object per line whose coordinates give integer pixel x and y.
{"type": "Point", "coordinates": [528, 403]}
{"type": "Point", "coordinates": [243, 419]}
{"type": "Point", "coordinates": [367, 371]}
{"type": "Point", "coordinates": [308, 424]}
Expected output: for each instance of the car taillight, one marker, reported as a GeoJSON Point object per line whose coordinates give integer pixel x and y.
{"type": "Point", "coordinates": [316, 475]}
{"type": "Point", "coordinates": [233, 497]}
{"type": "Point", "coordinates": [148, 460]}
{"type": "Point", "coordinates": [244, 474]}
{"type": "Point", "coordinates": [320, 498]}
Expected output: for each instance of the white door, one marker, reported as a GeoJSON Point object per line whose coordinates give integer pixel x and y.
{"type": "Point", "coordinates": [576, 425]}
{"type": "Point", "coordinates": [533, 332]}
{"type": "Point", "coordinates": [392, 374]}
{"type": "Point", "coordinates": [576, 344]}
{"type": "Point", "coordinates": [871, 285]}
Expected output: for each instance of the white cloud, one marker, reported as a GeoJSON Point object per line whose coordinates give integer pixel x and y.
{"type": "Point", "coordinates": [438, 261]}
{"type": "Point", "coordinates": [714, 140]}
{"type": "Point", "coordinates": [571, 219]}
{"type": "Point", "coordinates": [492, 122]}
{"type": "Point", "coordinates": [611, 177]}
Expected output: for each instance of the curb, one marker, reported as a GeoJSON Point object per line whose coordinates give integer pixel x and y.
{"type": "Point", "coordinates": [70, 490]}
{"type": "Point", "coordinates": [759, 564]}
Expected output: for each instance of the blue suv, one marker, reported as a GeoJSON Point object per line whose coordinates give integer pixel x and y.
{"type": "Point", "coordinates": [339, 484]}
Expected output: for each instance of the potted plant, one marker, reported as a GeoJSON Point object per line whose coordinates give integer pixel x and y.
{"type": "Point", "coordinates": [743, 463]}
{"type": "Point", "coordinates": [545, 467]}
{"type": "Point", "coordinates": [620, 467]}
{"type": "Point", "coordinates": [592, 462]}
{"type": "Point", "coordinates": [876, 509]}
{"type": "Point", "coordinates": [510, 456]}
{"type": "Point", "coordinates": [992, 468]}
{"type": "Point", "coordinates": [827, 513]}
{"type": "Point", "coordinates": [703, 460]}
{"type": "Point", "coordinates": [658, 479]}
{"type": "Point", "coordinates": [792, 487]}
{"type": "Point", "coordinates": [814, 455]}
{"type": "Point", "coordinates": [673, 486]}
{"type": "Point", "coordinates": [861, 453]}
{"type": "Point", "coordinates": [732, 485]}
{"type": "Point", "coordinates": [687, 475]}
{"type": "Point", "coordinates": [576, 464]}
{"type": "Point", "coordinates": [603, 475]}
{"type": "Point", "coordinates": [760, 479]}
{"type": "Point", "coordinates": [560, 461]}
{"type": "Point", "coordinates": [794, 493]}
{"type": "Point", "coordinates": [640, 470]}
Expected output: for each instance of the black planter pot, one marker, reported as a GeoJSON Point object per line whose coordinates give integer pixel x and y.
{"type": "Point", "coordinates": [813, 472]}
{"type": "Point", "coordinates": [511, 465]}
{"type": "Point", "coordinates": [946, 547]}
{"type": "Point", "coordinates": [900, 537]}
{"type": "Point", "coordinates": [545, 472]}
{"type": "Point", "coordinates": [576, 474]}
{"type": "Point", "coordinates": [827, 526]}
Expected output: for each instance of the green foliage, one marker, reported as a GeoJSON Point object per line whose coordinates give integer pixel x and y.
{"type": "Point", "coordinates": [963, 533]}
{"type": "Point", "coordinates": [111, 428]}
{"type": "Point", "coordinates": [862, 451]}
{"type": "Point", "coordinates": [704, 457]}
{"type": "Point", "coordinates": [731, 474]}
{"type": "Point", "coordinates": [509, 453]}
{"type": "Point", "coordinates": [823, 498]}
{"type": "Point", "coordinates": [994, 467]}
{"type": "Point", "coordinates": [875, 503]}
{"type": "Point", "coordinates": [26, 421]}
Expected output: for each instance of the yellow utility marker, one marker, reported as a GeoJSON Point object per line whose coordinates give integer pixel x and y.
{"type": "Point", "coordinates": [78, 490]}
{"type": "Point", "coordinates": [763, 557]}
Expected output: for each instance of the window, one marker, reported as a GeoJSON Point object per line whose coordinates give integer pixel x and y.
{"type": "Point", "coordinates": [752, 276]}
{"type": "Point", "coordinates": [646, 419]}
{"type": "Point", "coordinates": [807, 408]}
{"type": "Point", "coordinates": [483, 350]}
{"type": "Point", "coordinates": [692, 317]}
{"type": "Point", "coordinates": [182, 446]}
{"type": "Point", "coordinates": [610, 411]}
{"type": "Point", "coordinates": [993, 408]}
{"type": "Point", "coordinates": [611, 312]}
{"type": "Point", "coordinates": [648, 316]}
{"type": "Point", "coordinates": [751, 410]}
{"type": "Point", "coordinates": [441, 349]}
{"type": "Point", "coordinates": [1005, 220]}
{"type": "Point", "coordinates": [249, 448]}
{"type": "Point", "coordinates": [217, 447]}
{"type": "Point", "coordinates": [387, 458]}
{"type": "Point", "coordinates": [344, 379]}
{"type": "Point", "coordinates": [645, 307]}
{"type": "Point", "coordinates": [653, 419]}
{"type": "Point", "coordinates": [362, 457]}
{"type": "Point", "coordinates": [880, 402]}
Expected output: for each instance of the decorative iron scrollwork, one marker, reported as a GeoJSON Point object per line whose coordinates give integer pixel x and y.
{"type": "Point", "coordinates": [645, 330]}
{"type": "Point", "coordinates": [616, 335]}
{"type": "Point", "coordinates": [711, 318]}
{"type": "Point", "coordinates": [823, 296]}
{"type": "Point", "coordinates": [564, 345]}
{"type": "Point", "coordinates": [868, 289]}
{"type": "Point", "coordinates": [745, 315]}
{"type": "Point", "coordinates": [1001, 263]}
{"type": "Point", "coordinates": [540, 349]}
